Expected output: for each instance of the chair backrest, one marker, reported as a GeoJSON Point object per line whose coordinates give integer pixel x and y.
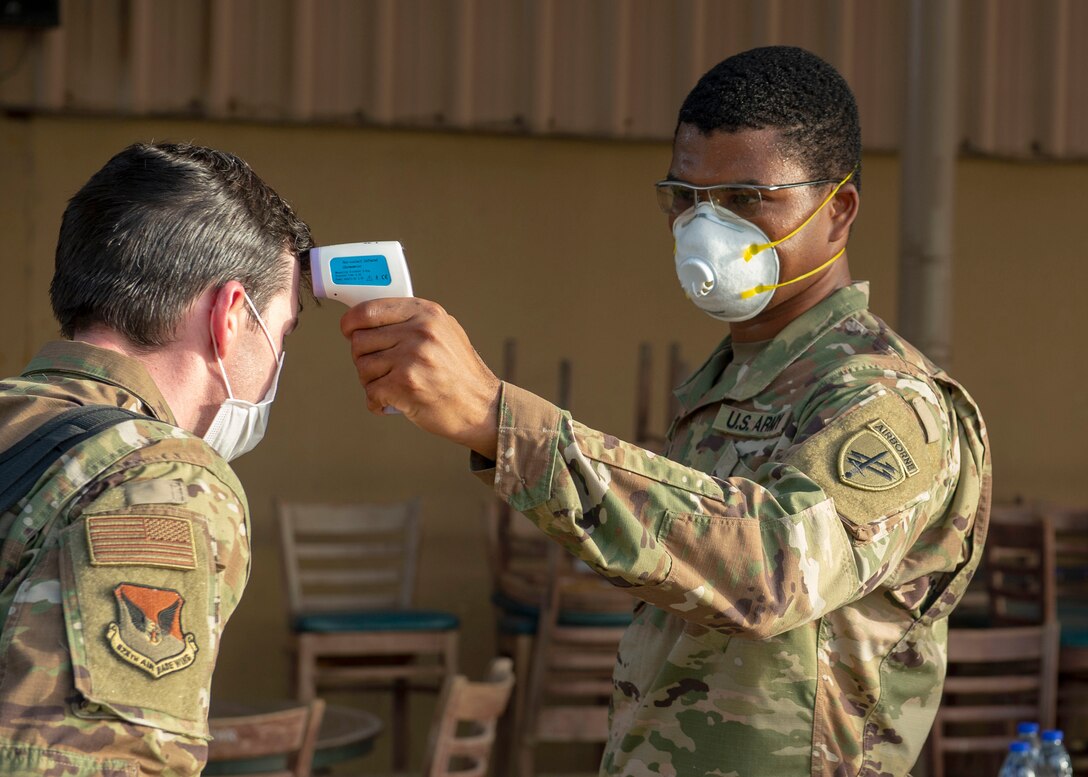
{"type": "Point", "coordinates": [516, 549]}
{"type": "Point", "coordinates": [349, 557]}
{"type": "Point", "coordinates": [997, 677]}
{"type": "Point", "coordinates": [570, 680]}
{"type": "Point", "coordinates": [1071, 550]}
{"type": "Point", "coordinates": [677, 371]}
{"type": "Point", "coordinates": [1071, 539]}
{"type": "Point", "coordinates": [291, 733]}
{"type": "Point", "coordinates": [1007, 671]}
{"type": "Point", "coordinates": [463, 733]}
{"type": "Point", "coordinates": [1019, 567]}
{"type": "Point", "coordinates": [517, 553]}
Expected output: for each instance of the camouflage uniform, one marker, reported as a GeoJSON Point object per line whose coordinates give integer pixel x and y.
{"type": "Point", "coordinates": [129, 555]}
{"type": "Point", "coordinates": [818, 513]}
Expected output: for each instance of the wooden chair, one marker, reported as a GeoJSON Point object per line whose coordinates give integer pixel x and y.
{"type": "Point", "coordinates": [290, 733]}
{"type": "Point", "coordinates": [526, 568]}
{"type": "Point", "coordinates": [463, 733]}
{"type": "Point", "coordinates": [677, 371]}
{"type": "Point", "coordinates": [1071, 542]}
{"type": "Point", "coordinates": [523, 563]}
{"type": "Point", "coordinates": [996, 678]}
{"type": "Point", "coordinates": [1005, 672]}
{"type": "Point", "coordinates": [1019, 567]}
{"type": "Point", "coordinates": [350, 574]}
{"type": "Point", "coordinates": [573, 657]}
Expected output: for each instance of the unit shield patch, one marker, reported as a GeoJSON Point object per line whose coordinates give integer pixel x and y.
{"type": "Point", "coordinates": [147, 633]}
{"type": "Point", "coordinates": [875, 459]}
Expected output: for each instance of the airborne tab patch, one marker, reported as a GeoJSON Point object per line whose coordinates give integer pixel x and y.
{"type": "Point", "coordinates": [875, 459]}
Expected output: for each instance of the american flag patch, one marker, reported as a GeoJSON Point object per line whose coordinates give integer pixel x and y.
{"type": "Point", "coordinates": [127, 540]}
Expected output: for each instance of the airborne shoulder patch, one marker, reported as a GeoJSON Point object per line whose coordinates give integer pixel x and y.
{"type": "Point", "coordinates": [872, 459]}
{"type": "Point", "coordinates": [875, 459]}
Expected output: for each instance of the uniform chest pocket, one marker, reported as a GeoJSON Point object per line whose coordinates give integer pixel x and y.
{"type": "Point", "coordinates": [139, 593]}
{"type": "Point", "coordinates": [741, 458]}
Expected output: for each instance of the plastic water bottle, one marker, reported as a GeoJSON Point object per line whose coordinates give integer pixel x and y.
{"type": "Point", "coordinates": [1020, 762]}
{"type": "Point", "coordinates": [1054, 760]}
{"type": "Point", "coordinates": [1029, 732]}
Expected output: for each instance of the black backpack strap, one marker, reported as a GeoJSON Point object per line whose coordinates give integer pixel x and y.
{"type": "Point", "coordinates": [22, 464]}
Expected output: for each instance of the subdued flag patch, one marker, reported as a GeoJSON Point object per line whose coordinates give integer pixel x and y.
{"type": "Point", "coordinates": [131, 540]}
{"type": "Point", "coordinates": [147, 633]}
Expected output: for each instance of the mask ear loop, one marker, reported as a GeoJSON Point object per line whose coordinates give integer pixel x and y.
{"type": "Point", "coordinates": [756, 248]}
{"type": "Point", "coordinates": [264, 328]}
{"type": "Point", "coordinates": [218, 358]}
{"type": "Point", "coordinates": [267, 334]}
{"type": "Point", "coordinates": [762, 288]}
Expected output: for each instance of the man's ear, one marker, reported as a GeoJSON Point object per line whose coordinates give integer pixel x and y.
{"type": "Point", "coordinates": [228, 309]}
{"type": "Point", "coordinates": [843, 209]}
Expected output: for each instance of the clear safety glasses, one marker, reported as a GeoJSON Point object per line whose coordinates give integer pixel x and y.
{"type": "Point", "coordinates": [741, 199]}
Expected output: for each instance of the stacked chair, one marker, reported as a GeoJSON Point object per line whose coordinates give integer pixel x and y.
{"type": "Point", "coordinates": [1071, 570]}
{"type": "Point", "coordinates": [463, 733]}
{"type": "Point", "coordinates": [560, 622]}
{"type": "Point", "coordinates": [1006, 670]}
{"type": "Point", "coordinates": [350, 573]}
{"type": "Point", "coordinates": [288, 734]}
{"type": "Point", "coordinates": [561, 625]}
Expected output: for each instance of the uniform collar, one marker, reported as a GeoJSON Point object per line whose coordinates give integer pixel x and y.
{"type": "Point", "coordinates": [105, 366]}
{"type": "Point", "coordinates": [706, 386]}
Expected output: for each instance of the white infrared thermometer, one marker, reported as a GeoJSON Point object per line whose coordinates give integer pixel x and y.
{"type": "Point", "coordinates": [357, 272]}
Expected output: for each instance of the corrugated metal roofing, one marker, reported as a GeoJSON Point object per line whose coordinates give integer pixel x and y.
{"type": "Point", "coordinates": [599, 68]}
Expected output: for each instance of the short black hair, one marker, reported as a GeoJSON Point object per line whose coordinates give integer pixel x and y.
{"type": "Point", "coordinates": [788, 89]}
{"type": "Point", "coordinates": [158, 226]}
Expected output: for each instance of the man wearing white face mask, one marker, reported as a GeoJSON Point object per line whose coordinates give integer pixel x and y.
{"type": "Point", "coordinates": [823, 499]}
{"type": "Point", "coordinates": [239, 425]}
{"type": "Point", "coordinates": [125, 549]}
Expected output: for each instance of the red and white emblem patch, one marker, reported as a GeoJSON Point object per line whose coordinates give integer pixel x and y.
{"type": "Point", "coordinates": [148, 632]}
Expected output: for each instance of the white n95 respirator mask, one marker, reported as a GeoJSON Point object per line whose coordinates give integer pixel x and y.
{"type": "Point", "coordinates": [711, 246]}
{"type": "Point", "coordinates": [727, 265]}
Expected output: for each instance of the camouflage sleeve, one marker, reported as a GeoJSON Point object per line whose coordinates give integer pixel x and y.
{"type": "Point", "coordinates": [151, 570]}
{"type": "Point", "coordinates": [755, 553]}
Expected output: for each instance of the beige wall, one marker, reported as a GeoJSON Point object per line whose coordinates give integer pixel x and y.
{"type": "Point", "coordinates": [559, 244]}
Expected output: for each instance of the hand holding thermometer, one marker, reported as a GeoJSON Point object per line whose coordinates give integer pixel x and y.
{"type": "Point", "coordinates": [358, 272]}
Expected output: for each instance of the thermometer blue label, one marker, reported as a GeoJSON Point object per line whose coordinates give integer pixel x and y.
{"type": "Point", "coordinates": [360, 271]}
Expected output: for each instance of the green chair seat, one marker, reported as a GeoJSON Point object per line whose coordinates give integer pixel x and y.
{"type": "Point", "coordinates": [517, 625]}
{"type": "Point", "coordinates": [1074, 619]}
{"type": "Point", "coordinates": [517, 614]}
{"type": "Point", "coordinates": [377, 620]}
{"type": "Point", "coordinates": [1077, 638]}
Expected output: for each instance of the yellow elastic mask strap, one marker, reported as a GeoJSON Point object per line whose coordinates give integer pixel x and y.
{"type": "Point", "coordinates": [762, 288]}
{"type": "Point", "coordinates": [755, 248]}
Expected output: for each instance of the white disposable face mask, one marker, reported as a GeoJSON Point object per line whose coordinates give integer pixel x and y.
{"type": "Point", "coordinates": [711, 264]}
{"type": "Point", "coordinates": [239, 425]}
{"type": "Point", "coordinates": [727, 265]}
